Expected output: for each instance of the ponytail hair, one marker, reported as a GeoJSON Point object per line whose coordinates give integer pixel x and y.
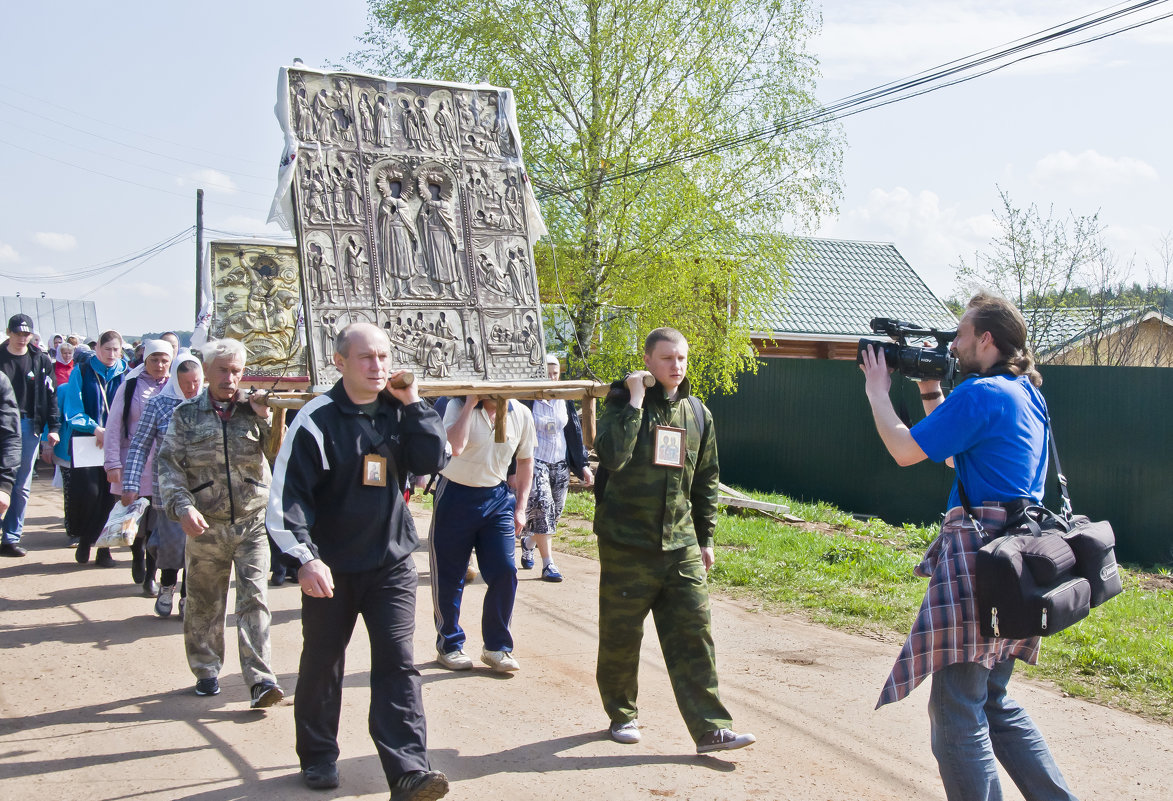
{"type": "Point", "coordinates": [1004, 322]}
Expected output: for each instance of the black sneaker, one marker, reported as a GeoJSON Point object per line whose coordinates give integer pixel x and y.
{"type": "Point", "coordinates": [265, 693]}
{"type": "Point", "coordinates": [12, 549]}
{"type": "Point", "coordinates": [208, 686]}
{"type": "Point", "coordinates": [419, 785]}
{"type": "Point", "coordinates": [321, 777]}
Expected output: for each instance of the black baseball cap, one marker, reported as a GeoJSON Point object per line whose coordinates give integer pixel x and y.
{"type": "Point", "coordinates": [20, 324]}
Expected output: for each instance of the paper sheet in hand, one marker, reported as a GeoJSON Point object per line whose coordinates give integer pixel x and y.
{"type": "Point", "coordinates": [86, 452]}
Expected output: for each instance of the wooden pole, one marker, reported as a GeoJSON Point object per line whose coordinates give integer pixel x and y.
{"type": "Point", "coordinates": [501, 420]}
{"type": "Point", "coordinates": [199, 251]}
{"type": "Point", "coordinates": [588, 421]}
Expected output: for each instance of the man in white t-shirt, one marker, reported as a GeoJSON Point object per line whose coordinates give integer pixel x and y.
{"type": "Point", "coordinates": [476, 510]}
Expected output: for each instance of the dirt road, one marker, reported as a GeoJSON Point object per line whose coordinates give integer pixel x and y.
{"type": "Point", "coordinates": [97, 703]}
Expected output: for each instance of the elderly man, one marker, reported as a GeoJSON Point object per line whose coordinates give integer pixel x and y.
{"type": "Point", "coordinates": [31, 374]}
{"type": "Point", "coordinates": [214, 481]}
{"type": "Point", "coordinates": [337, 508]}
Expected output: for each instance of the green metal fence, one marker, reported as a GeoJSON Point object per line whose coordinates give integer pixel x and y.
{"type": "Point", "coordinates": [803, 427]}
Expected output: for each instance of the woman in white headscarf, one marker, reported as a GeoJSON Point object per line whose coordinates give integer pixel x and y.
{"type": "Point", "coordinates": [167, 540]}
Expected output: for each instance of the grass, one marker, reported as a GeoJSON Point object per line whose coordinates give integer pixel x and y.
{"type": "Point", "coordinates": [857, 575]}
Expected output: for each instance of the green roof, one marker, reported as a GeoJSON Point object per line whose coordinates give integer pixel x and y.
{"type": "Point", "coordinates": [837, 286]}
{"type": "Point", "coordinates": [1052, 330]}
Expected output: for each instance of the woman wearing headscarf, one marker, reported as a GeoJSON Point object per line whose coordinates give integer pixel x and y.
{"type": "Point", "coordinates": [63, 364]}
{"type": "Point", "coordinates": [167, 541]}
{"type": "Point", "coordinates": [140, 385]}
{"type": "Point", "coordinates": [85, 405]}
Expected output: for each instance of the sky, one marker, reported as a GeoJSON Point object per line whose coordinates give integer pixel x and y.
{"type": "Point", "coordinates": [111, 115]}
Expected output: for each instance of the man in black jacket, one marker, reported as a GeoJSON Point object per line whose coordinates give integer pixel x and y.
{"type": "Point", "coordinates": [31, 373]}
{"type": "Point", "coordinates": [337, 508]}
{"type": "Point", "coordinates": [9, 441]}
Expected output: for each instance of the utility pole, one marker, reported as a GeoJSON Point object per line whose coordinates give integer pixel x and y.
{"type": "Point", "coordinates": [199, 250]}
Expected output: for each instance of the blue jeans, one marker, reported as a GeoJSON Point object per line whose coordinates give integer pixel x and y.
{"type": "Point", "coordinates": [14, 517]}
{"type": "Point", "coordinates": [974, 722]}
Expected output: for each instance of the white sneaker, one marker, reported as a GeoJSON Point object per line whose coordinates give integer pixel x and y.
{"type": "Point", "coordinates": [626, 733]}
{"type": "Point", "coordinates": [500, 661]}
{"type": "Point", "coordinates": [455, 660]}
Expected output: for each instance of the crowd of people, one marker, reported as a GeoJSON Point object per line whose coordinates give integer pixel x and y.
{"type": "Point", "coordinates": [332, 510]}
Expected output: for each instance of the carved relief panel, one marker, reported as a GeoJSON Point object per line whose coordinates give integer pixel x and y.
{"type": "Point", "coordinates": [410, 213]}
{"type": "Point", "coordinates": [257, 301]}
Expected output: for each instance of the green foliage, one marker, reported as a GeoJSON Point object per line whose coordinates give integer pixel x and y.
{"type": "Point", "coordinates": [604, 87]}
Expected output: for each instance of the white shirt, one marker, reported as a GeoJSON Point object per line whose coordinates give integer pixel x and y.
{"type": "Point", "coordinates": [484, 462]}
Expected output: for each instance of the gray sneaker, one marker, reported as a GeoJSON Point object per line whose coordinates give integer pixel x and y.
{"type": "Point", "coordinates": [165, 601]}
{"type": "Point", "coordinates": [723, 740]}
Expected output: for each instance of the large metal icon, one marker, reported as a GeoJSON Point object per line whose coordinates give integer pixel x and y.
{"type": "Point", "coordinates": [412, 213]}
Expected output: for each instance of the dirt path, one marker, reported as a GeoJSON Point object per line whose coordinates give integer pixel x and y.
{"type": "Point", "coordinates": [97, 703]}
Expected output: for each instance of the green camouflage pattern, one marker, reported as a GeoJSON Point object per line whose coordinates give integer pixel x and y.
{"type": "Point", "coordinates": [672, 586]}
{"type": "Point", "coordinates": [650, 507]}
{"type": "Point", "coordinates": [210, 559]}
{"type": "Point", "coordinates": [219, 468]}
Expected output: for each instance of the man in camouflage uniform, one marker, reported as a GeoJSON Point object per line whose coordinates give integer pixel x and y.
{"type": "Point", "coordinates": [655, 525]}
{"type": "Point", "coordinates": [214, 481]}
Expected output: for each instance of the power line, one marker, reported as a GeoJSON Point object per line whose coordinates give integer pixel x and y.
{"type": "Point", "coordinates": [160, 170]}
{"type": "Point", "coordinates": [892, 92]}
{"type": "Point", "coordinates": [112, 177]}
{"type": "Point", "coordinates": [89, 272]}
{"type": "Point", "coordinates": [184, 146]}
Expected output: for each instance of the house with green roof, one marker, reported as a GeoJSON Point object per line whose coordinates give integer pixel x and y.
{"type": "Point", "coordinates": [834, 290]}
{"type": "Point", "coordinates": [1136, 336]}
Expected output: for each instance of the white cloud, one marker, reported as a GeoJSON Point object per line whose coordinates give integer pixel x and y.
{"type": "Point", "coordinates": [929, 235]}
{"type": "Point", "coordinates": [212, 180]}
{"type": "Point", "coordinates": [62, 243]}
{"type": "Point", "coordinates": [1090, 173]}
{"type": "Point", "coordinates": [8, 254]}
{"type": "Point", "coordinates": [145, 289]}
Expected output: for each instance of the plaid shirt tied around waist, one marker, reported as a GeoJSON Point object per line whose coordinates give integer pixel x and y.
{"type": "Point", "coordinates": [946, 629]}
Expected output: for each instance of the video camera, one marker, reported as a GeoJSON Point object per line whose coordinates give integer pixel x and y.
{"type": "Point", "coordinates": [908, 360]}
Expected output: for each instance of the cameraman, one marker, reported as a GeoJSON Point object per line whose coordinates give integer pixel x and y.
{"type": "Point", "coordinates": [992, 429]}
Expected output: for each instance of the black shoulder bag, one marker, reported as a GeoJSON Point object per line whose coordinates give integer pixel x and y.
{"type": "Point", "coordinates": [1047, 570]}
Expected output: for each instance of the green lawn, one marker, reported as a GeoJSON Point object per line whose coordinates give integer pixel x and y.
{"type": "Point", "coordinates": [857, 576]}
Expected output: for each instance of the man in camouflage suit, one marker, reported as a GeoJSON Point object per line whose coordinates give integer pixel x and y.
{"type": "Point", "coordinates": [214, 481]}
{"type": "Point", "coordinates": [655, 525]}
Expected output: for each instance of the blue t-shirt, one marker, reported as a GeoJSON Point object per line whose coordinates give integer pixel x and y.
{"type": "Point", "coordinates": [995, 428]}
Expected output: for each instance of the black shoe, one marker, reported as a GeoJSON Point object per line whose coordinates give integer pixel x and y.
{"type": "Point", "coordinates": [83, 552]}
{"type": "Point", "coordinates": [12, 549]}
{"type": "Point", "coordinates": [278, 578]}
{"type": "Point", "coordinates": [321, 777]}
{"type": "Point", "coordinates": [138, 570]}
{"type": "Point", "coordinates": [419, 785]}
{"type": "Point", "coordinates": [151, 588]}
{"type": "Point", "coordinates": [208, 686]}
{"type": "Point", "coordinates": [265, 693]}
{"type": "Point", "coordinates": [104, 559]}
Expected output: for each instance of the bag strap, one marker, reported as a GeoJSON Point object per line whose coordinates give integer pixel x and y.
{"type": "Point", "coordinates": [1066, 509]}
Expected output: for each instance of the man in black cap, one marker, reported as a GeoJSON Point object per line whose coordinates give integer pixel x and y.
{"type": "Point", "coordinates": [30, 372]}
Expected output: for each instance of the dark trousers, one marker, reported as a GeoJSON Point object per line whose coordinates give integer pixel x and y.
{"type": "Point", "coordinates": [465, 519]}
{"type": "Point", "coordinates": [89, 502]}
{"type": "Point", "coordinates": [385, 597]}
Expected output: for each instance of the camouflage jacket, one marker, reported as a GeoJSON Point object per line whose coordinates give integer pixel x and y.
{"type": "Point", "coordinates": [646, 506]}
{"type": "Point", "coordinates": [218, 467]}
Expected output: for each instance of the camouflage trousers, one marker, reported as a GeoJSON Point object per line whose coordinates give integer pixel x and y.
{"type": "Point", "coordinates": [672, 586]}
{"type": "Point", "coordinates": [210, 560]}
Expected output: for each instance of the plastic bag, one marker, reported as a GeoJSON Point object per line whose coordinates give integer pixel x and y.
{"type": "Point", "coordinates": [122, 526]}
